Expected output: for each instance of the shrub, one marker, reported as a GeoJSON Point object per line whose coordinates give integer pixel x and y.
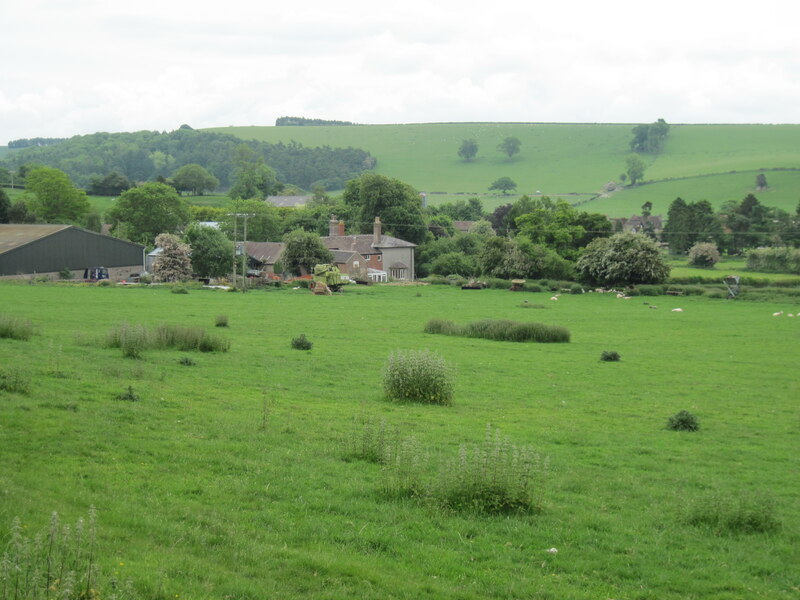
{"type": "Point", "coordinates": [65, 273]}
{"type": "Point", "coordinates": [15, 328]}
{"type": "Point", "coordinates": [576, 288]}
{"type": "Point", "coordinates": [221, 321]}
{"type": "Point", "coordinates": [534, 288]}
{"type": "Point", "coordinates": [186, 361]}
{"type": "Point", "coordinates": [683, 421]}
{"type": "Point", "coordinates": [734, 514]}
{"type": "Point", "coordinates": [703, 255]}
{"type": "Point", "coordinates": [651, 290]}
{"type": "Point", "coordinates": [774, 260]}
{"type": "Point", "coordinates": [610, 356]}
{"type": "Point", "coordinates": [14, 381]}
{"type": "Point", "coordinates": [129, 395]}
{"type": "Point", "coordinates": [418, 376]}
{"type": "Point", "coordinates": [442, 326]}
{"type": "Point", "coordinates": [301, 342]}
{"type": "Point", "coordinates": [179, 289]}
{"type": "Point", "coordinates": [495, 477]}
{"type": "Point", "coordinates": [622, 259]}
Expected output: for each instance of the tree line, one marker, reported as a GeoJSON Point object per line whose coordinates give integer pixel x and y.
{"type": "Point", "coordinates": [147, 155]}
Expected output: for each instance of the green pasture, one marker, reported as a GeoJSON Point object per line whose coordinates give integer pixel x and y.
{"type": "Point", "coordinates": [727, 266]}
{"type": "Point", "coordinates": [783, 192]}
{"type": "Point", "coordinates": [712, 162]}
{"type": "Point", "coordinates": [227, 478]}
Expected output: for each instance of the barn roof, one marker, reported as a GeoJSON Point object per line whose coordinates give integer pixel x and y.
{"type": "Point", "coordinates": [13, 236]}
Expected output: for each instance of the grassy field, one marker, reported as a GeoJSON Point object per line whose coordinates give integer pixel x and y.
{"type": "Point", "coordinates": [712, 162]}
{"type": "Point", "coordinates": [228, 478]}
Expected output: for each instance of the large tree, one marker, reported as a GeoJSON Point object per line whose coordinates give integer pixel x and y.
{"type": "Point", "coordinates": [54, 199]}
{"type": "Point", "coordinates": [396, 203]}
{"type": "Point", "coordinates": [112, 184]}
{"type": "Point", "coordinates": [141, 213]}
{"type": "Point", "coordinates": [302, 250]}
{"type": "Point", "coordinates": [635, 168]}
{"type": "Point", "coordinates": [623, 259]}
{"type": "Point", "coordinates": [510, 146]}
{"type": "Point", "coordinates": [194, 179]}
{"type": "Point", "coordinates": [253, 178]}
{"type": "Point", "coordinates": [212, 251]}
{"type": "Point", "coordinates": [468, 149]}
{"type": "Point", "coordinates": [504, 184]}
{"type": "Point", "coordinates": [649, 138]}
{"type": "Point", "coordinates": [5, 206]}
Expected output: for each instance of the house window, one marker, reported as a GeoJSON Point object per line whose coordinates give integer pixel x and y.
{"type": "Point", "coordinates": [380, 257]}
{"type": "Point", "coordinates": [367, 256]}
{"type": "Point", "coordinates": [355, 264]}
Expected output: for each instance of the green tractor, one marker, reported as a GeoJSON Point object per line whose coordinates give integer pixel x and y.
{"type": "Point", "coordinates": [327, 279]}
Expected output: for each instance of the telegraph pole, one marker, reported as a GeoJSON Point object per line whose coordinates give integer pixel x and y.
{"type": "Point", "coordinates": [243, 247]}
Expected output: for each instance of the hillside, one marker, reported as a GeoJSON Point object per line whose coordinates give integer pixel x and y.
{"type": "Point", "coordinates": [713, 162]}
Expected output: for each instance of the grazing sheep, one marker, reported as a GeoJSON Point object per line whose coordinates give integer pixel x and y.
{"type": "Point", "coordinates": [677, 310]}
{"type": "Point", "coordinates": [790, 315]}
{"type": "Point", "coordinates": [777, 314]}
{"type": "Point", "coordinates": [554, 298]}
{"type": "Point", "coordinates": [651, 306]}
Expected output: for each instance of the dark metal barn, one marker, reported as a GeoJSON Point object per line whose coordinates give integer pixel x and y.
{"type": "Point", "coordinates": [29, 249]}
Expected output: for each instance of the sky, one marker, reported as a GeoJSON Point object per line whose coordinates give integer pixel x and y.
{"type": "Point", "coordinates": [73, 67]}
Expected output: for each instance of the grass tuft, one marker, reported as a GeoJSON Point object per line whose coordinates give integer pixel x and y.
{"type": "Point", "coordinates": [13, 380]}
{"type": "Point", "coordinates": [502, 330]}
{"type": "Point", "coordinates": [610, 356]}
{"type": "Point", "coordinates": [730, 515]}
{"type": "Point", "coordinates": [683, 421]}
{"type": "Point", "coordinates": [301, 342]}
{"type": "Point", "coordinates": [418, 376]}
{"type": "Point", "coordinates": [15, 328]}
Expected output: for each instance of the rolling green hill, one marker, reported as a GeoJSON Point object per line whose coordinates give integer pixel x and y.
{"type": "Point", "coordinates": [713, 162]}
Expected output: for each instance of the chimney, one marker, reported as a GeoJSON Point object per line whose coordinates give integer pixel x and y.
{"type": "Point", "coordinates": [341, 227]}
{"type": "Point", "coordinates": [376, 231]}
{"type": "Point", "coordinates": [333, 226]}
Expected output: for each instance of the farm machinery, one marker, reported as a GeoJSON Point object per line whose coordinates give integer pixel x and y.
{"type": "Point", "coordinates": [326, 279]}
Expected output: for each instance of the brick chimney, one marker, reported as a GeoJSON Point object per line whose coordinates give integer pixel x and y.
{"type": "Point", "coordinates": [333, 226]}
{"type": "Point", "coordinates": [376, 231]}
{"type": "Point", "coordinates": [341, 227]}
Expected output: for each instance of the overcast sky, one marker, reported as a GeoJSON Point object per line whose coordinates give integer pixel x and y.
{"type": "Point", "coordinates": [80, 66]}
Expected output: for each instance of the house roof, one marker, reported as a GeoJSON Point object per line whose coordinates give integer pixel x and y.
{"type": "Point", "coordinates": [463, 226]}
{"type": "Point", "coordinates": [283, 201]}
{"type": "Point", "coordinates": [363, 243]}
{"type": "Point", "coordinates": [13, 236]}
{"type": "Point", "coordinates": [342, 256]}
{"type": "Point", "coordinates": [264, 252]}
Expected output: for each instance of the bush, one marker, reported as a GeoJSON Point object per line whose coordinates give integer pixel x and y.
{"type": "Point", "coordinates": [734, 513]}
{"type": "Point", "coordinates": [221, 321]}
{"type": "Point", "coordinates": [442, 326]}
{"type": "Point", "coordinates": [418, 376]}
{"type": "Point", "coordinates": [610, 356]}
{"type": "Point", "coordinates": [186, 361]}
{"type": "Point", "coordinates": [703, 255]}
{"type": "Point", "coordinates": [15, 328]}
{"type": "Point", "coordinates": [301, 342]}
{"type": "Point", "coordinates": [651, 290]}
{"type": "Point", "coordinates": [623, 259]}
{"type": "Point", "coordinates": [129, 395]}
{"type": "Point", "coordinates": [774, 260]}
{"type": "Point", "coordinates": [14, 381]}
{"type": "Point", "coordinates": [683, 421]}
{"type": "Point", "coordinates": [576, 288]}
{"type": "Point", "coordinates": [65, 273]}
{"type": "Point", "coordinates": [495, 477]}
{"type": "Point", "coordinates": [179, 289]}
{"type": "Point", "coordinates": [534, 288]}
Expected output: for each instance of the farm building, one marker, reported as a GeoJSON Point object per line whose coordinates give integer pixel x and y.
{"type": "Point", "coordinates": [380, 256]}
{"type": "Point", "coordinates": [49, 249]}
{"type": "Point", "coordinates": [380, 252]}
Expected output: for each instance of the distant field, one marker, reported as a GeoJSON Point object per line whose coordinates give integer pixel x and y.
{"type": "Point", "coordinates": [783, 192]}
{"type": "Point", "coordinates": [229, 478]}
{"type": "Point", "coordinates": [562, 159]}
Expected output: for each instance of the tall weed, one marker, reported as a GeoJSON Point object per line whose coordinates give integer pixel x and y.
{"type": "Point", "coordinates": [15, 328]}
{"type": "Point", "coordinates": [418, 376]}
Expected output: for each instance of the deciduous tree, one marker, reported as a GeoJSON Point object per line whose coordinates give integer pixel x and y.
{"type": "Point", "coordinates": [635, 168]}
{"type": "Point", "coordinates": [141, 213]}
{"type": "Point", "coordinates": [302, 250]}
{"type": "Point", "coordinates": [54, 198]}
{"type": "Point", "coordinates": [623, 259]}
{"type": "Point", "coordinates": [212, 251]}
{"type": "Point", "coordinates": [468, 149]}
{"type": "Point", "coordinates": [510, 146]}
{"type": "Point", "coordinates": [503, 184]}
{"type": "Point", "coordinates": [194, 179]}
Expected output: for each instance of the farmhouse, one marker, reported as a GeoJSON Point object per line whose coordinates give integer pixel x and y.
{"type": "Point", "coordinates": [49, 249]}
{"type": "Point", "coordinates": [380, 252]}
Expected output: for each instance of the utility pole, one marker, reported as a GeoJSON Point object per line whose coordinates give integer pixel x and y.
{"type": "Point", "coordinates": [243, 247]}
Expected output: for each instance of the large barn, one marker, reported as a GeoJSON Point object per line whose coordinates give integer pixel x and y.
{"type": "Point", "coordinates": [49, 249]}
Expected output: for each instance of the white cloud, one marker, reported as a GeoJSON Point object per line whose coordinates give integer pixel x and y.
{"type": "Point", "coordinates": [83, 66]}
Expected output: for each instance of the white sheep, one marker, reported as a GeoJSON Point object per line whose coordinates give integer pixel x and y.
{"type": "Point", "coordinates": [777, 314]}
{"type": "Point", "coordinates": [554, 298]}
{"type": "Point", "coordinates": [677, 310]}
